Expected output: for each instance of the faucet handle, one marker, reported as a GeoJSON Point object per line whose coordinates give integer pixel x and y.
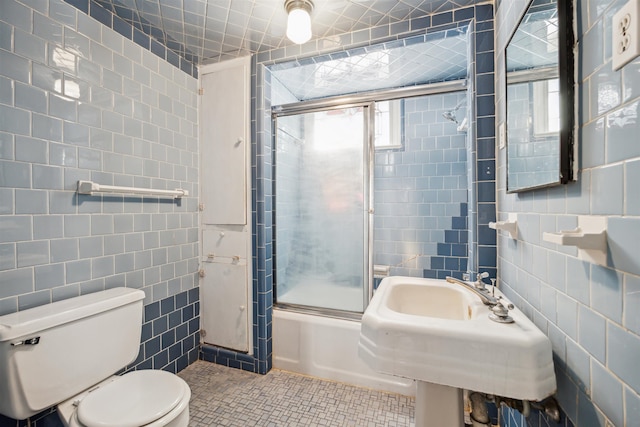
{"type": "Point", "coordinates": [500, 313]}
{"type": "Point", "coordinates": [479, 284]}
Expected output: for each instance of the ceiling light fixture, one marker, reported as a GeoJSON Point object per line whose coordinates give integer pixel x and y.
{"type": "Point", "coordinates": [299, 20]}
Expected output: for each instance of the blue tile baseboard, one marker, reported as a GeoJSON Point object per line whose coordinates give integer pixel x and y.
{"type": "Point", "coordinates": [229, 358]}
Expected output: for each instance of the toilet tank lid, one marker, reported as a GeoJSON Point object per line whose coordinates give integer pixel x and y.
{"type": "Point", "coordinates": [34, 320]}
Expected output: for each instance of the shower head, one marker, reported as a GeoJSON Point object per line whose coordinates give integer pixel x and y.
{"type": "Point", "coordinates": [451, 114]}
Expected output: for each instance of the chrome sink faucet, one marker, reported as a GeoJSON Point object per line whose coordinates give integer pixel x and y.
{"type": "Point", "coordinates": [479, 284]}
{"type": "Point", "coordinates": [477, 288]}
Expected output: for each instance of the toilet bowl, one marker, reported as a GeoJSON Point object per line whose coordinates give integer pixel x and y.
{"type": "Point", "coordinates": [141, 398]}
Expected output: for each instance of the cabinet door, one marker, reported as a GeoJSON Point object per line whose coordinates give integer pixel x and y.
{"type": "Point", "coordinates": [223, 145]}
{"type": "Point", "coordinates": [218, 243]}
{"type": "Point", "coordinates": [224, 302]}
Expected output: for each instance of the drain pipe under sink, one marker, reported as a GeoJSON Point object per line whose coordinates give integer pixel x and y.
{"type": "Point", "coordinates": [479, 412]}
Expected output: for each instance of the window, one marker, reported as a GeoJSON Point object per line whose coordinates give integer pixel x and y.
{"type": "Point", "coordinates": [546, 107]}
{"type": "Point", "coordinates": [389, 124]}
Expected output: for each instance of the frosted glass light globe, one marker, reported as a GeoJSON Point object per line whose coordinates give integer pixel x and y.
{"type": "Point", "coordinates": [299, 26]}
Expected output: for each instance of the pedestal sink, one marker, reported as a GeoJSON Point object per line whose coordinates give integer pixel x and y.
{"type": "Point", "coordinates": [440, 334]}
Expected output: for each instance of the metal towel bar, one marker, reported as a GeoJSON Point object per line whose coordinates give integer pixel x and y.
{"type": "Point", "coordinates": [90, 187]}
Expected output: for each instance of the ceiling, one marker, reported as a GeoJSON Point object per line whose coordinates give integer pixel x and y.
{"type": "Point", "coordinates": [207, 31]}
{"type": "Point", "coordinates": [435, 57]}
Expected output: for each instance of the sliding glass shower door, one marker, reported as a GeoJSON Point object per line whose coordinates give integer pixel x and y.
{"type": "Point", "coordinates": [322, 209]}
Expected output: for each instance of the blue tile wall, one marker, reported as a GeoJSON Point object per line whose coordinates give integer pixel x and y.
{"type": "Point", "coordinates": [437, 200]}
{"type": "Point", "coordinates": [80, 101]}
{"type": "Point", "coordinates": [262, 185]}
{"type": "Point", "coordinates": [170, 333]}
{"type": "Point", "coordinates": [585, 309]}
{"type": "Point", "coordinates": [481, 167]}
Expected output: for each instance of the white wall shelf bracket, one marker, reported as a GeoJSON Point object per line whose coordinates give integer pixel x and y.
{"type": "Point", "coordinates": [590, 237]}
{"type": "Point", "coordinates": [92, 188]}
{"type": "Point", "coordinates": [510, 225]}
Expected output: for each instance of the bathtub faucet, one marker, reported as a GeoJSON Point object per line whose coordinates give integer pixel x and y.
{"type": "Point", "coordinates": [481, 292]}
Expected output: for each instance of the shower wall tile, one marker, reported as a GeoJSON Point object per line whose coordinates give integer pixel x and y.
{"type": "Point", "coordinates": [443, 172]}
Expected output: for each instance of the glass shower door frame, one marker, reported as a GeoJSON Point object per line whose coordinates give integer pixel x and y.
{"type": "Point", "coordinates": [368, 100]}
{"type": "Point", "coordinates": [368, 162]}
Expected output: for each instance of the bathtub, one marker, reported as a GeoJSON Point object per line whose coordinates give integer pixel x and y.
{"type": "Point", "coordinates": [326, 347]}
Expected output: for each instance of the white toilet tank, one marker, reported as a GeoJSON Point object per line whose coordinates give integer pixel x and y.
{"type": "Point", "coordinates": [52, 352]}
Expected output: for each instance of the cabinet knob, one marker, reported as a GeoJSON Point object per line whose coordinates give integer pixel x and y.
{"type": "Point", "coordinates": [242, 308]}
{"type": "Point", "coordinates": [222, 234]}
{"type": "Point", "coordinates": [239, 141]}
{"type": "Point", "coordinates": [235, 258]}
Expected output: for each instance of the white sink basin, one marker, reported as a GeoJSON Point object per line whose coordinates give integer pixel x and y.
{"type": "Point", "coordinates": [437, 332]}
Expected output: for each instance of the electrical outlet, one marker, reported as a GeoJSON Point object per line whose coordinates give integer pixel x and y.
{"type": "Point", "coordinates": [626, 34]}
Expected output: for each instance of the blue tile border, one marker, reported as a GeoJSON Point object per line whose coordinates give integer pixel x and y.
{"type": "Point", "coordinates": [143, 34]}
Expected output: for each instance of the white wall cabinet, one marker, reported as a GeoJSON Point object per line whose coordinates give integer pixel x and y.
{"type": "Point", "coordinates": [225, 222]}
{"type": "Point", "coordinates": [223, 144]}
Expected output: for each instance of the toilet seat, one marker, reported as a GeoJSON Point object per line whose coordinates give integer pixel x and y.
{"type": "Point", "coordinates": [136, 399]}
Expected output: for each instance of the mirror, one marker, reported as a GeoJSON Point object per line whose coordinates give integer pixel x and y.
{"type": "Point", "coordinates": [540, 98]}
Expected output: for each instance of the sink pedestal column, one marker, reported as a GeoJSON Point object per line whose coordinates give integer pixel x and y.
{"type": "Point", "coordinates": [438, 405]}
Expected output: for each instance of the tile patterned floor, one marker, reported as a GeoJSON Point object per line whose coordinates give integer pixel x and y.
{"type": "Point", "coordinates": [224, 396]}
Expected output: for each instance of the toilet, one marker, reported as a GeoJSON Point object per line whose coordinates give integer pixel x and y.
{"type": "Point", "coordinates": [65, 354]}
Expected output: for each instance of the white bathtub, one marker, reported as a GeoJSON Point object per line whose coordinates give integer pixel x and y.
{"type": "Point", "coordinates": [327, 348]}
